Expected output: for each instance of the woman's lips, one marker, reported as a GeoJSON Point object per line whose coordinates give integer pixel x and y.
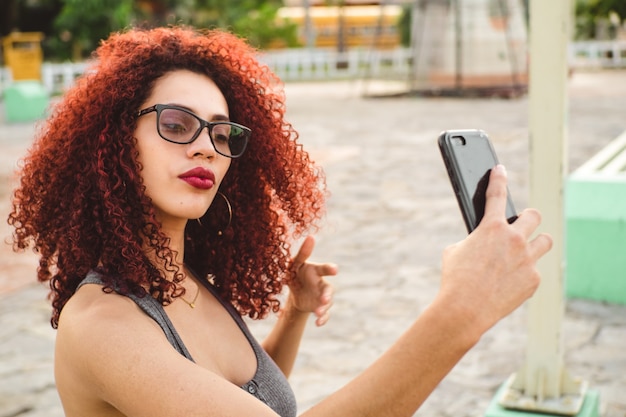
{"type": "Point", "coordinates": [200, 178]}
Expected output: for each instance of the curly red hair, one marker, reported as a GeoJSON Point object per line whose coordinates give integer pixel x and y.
{"type": "Point", "coordinates": [81, 202]}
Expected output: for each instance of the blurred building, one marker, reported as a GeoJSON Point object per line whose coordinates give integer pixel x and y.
{"type": "Point", "coordinates": [355, 24]}
{"type": "Point", "coordinates": [304, 3]}
{"type": "Point", "coordinates": [466, 46]}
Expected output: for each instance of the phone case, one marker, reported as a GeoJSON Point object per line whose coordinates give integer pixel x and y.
{"type": "Point", "coordinates": [469, 157]}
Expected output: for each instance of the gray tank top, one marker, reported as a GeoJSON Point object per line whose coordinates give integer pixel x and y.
{"type": "Point", "coordinates": [268, 383]}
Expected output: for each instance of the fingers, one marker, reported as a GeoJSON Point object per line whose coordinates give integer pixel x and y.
{"type": "Point", "coordinates": [310, 291]}
{"type": "Point", "coordinates": [322, 319]}
{"type": "Point", "coordinates": [527, 221]}
{"type": "Point", "coordinates": [322, 312]}
{"type": "Point", "coordinates": [305, 251]}
{"type": "Point", "coordinates": [540, 245]}
{"type": "Point", "coordinates": [495, 207]}
{"type": "Point", "coordinates": [325, 270]}
{"type": "Point", "coordinates": [496, 194]}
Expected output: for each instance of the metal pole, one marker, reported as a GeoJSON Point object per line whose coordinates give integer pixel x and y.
{"type": "Point", "coordinates": [458, 47]}
{"type": "Point", "coordinates": [543, 384]}
{"type": "Point", "coordinates": [549, 37]}
{"type": "Point", "coordinates": [417, 41]}
{"type": "Point", "coordinates": [308, 25]}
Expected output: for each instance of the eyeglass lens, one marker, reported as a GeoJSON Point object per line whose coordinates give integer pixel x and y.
{"type": "Point", "coordinates": [182, 127]}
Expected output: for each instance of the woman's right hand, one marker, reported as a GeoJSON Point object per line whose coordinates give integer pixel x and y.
{"type": "Point", "coordinates": [484, 278]}
{"type": "Point", "coordinates": [493, 271]}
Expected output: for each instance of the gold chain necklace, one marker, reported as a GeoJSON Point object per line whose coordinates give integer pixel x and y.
{"type": "Point", "coordinates": [193, 303]}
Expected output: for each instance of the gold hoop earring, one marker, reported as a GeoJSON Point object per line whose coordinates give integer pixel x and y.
{"type": "Point", "coordinates": [220, 232]}
{"type": "Point", "coordinates": [230, 212]}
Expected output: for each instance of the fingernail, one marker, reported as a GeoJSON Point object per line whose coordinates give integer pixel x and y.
{"type": "Point", "coordinates": [501, 168]}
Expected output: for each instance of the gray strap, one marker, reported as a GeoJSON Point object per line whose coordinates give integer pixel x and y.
{"type": "Point", "coordinates": [153, 309]}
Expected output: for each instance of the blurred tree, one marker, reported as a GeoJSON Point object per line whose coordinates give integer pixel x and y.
{"type": "Point", "coordinates": [8, 16]}
{"type": "Point", "coordinates": [29, 16]}
{"type": "Point", "coordinates": [605, 7]}
{"type": "Point", "coordinates": [262, 29]}
{"type": "Point", "coordinates": [404, 25]}
{"type": "Point", "coordinates": [83, 23]}
{"type": "Point", "coordinates": [256, 20]}
{"type": "Point", "coordinates": [589, 13]}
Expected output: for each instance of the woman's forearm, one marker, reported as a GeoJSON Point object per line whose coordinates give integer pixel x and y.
{"type": "Point", "coordinates": [283, 342]}
{"type": "Point", "coordinates": [401, 379]}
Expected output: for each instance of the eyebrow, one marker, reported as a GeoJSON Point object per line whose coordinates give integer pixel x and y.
{"type": "Point", "coordinates": [219, 117]}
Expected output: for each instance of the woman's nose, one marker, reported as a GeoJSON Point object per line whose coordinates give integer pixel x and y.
{"type": "Point", "coordinates": [203, 145]}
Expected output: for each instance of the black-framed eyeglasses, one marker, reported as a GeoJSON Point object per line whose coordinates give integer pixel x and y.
{"type": "Point", "coordinates": [179, 125]}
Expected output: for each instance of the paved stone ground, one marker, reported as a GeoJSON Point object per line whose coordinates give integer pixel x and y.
{"type": "Point", "coordinates": [390, 215]}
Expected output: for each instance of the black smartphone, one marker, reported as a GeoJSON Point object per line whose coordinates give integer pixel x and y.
{"type": "Point", "coordinates": [469, 157]}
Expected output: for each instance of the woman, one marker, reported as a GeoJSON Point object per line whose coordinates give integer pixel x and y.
{"type": "Point", "coordinates": [163, 196]}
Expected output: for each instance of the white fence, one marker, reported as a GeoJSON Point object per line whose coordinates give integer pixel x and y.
{"type": "Point", "coordinates": [289, 65]}
{"type": "Point", "coordinates": [311, 64]}
{"type": "Point", "coordinates": [56, 78]}
{"type": "Point", "coordinates": [598, 54]}
{"type": "Point", "coordinates": [320, 64]}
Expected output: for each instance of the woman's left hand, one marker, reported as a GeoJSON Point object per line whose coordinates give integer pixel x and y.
{"type": "Point", "coordinates": [309, 291]}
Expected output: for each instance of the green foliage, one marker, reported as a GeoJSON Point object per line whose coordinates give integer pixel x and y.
{"type": "Point", "coordinates": [602, 8]}
{"type": "Point", "coordinates": [262, 30]}
{"type": "Point", "coordinates": [590, 12]}
{"type": "Point", "coordinates": [404, 25]}
{"type": "Point", "coordinates": [82, 24]}
{"type": "Point", "coordinates": [253, 19]}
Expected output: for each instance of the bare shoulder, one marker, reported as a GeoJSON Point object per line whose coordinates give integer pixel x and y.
{"type": "Point", "coordinates": [97, 331]}
{"type": "Point", "coordinates": [95, 315]}
{"type": "Point", "coordinates": [91, 302]}
{"type": "Point", "coordinates": [110, 357]}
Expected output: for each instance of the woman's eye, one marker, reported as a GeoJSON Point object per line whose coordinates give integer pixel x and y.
{"type": "Point", "coordinates": [174, 127]}
{"type": "Point", "coordinates": [221, 133]}
{"type": "Point", "coordinates": [220, 137]}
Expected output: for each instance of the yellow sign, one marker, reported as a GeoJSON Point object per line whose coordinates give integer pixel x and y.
{"type": "Point", "coordinates": [23, 55]}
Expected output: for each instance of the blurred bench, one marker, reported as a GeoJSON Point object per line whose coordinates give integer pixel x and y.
{"type": "Point", "coordinates": [595, 215]}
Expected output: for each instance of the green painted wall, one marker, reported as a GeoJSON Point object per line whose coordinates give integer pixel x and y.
{"type": "Point", "coordinates": [595, 214]}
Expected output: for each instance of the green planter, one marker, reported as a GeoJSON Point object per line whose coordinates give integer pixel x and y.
{"type": "Point", "coordinates": [25, 101]}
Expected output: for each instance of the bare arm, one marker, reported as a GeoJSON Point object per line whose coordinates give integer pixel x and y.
{"type": "Point", "coordinates": [484, 278]}
{"type": "Point", "coordinates": [283, 342]}
{"type": "Point", "coordinates": [309, 293]}
{"type": "Point", "coordinates": [401, 380]}
{"type": "Point", "coordinates": [125, 363]}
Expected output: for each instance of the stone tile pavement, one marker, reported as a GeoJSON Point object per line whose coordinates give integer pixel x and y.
{"type": "Point", "coordinates": [390, 214]}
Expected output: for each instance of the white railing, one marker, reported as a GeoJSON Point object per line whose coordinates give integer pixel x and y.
{"type": "Point", "coordinates": [320, 64]}
{"type": "Point", "coordinates": [598, 54]}
{"type": "Point", "coordinates": [311, 64]}
{"type": "Point", "coordinates": [59, 77]}
{"type": "Point", "coordinates": [289, 65]}
{"type": "Point", "coordinates": [5, 78]}
{"type": "Point", "coordinates": [56, 78]}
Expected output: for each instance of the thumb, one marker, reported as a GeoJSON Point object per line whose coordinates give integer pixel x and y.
{"type": "Point", "coordinates": [305, 251]}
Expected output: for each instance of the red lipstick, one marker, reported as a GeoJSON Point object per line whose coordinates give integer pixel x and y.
{"type": "Point", "coordinates": [200, 178]}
